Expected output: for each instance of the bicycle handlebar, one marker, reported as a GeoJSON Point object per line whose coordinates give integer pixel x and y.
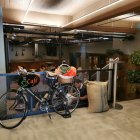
{"type": "Point", "coordinates": [22, 71]}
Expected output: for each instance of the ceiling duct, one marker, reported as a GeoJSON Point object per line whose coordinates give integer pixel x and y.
{"type": "Point", "coordinates": [77, 36]}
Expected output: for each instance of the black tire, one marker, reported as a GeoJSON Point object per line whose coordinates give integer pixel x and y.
{"type": "Point", "coordinates": [66, 97]}
{"type": "Point", "coordinates": [13, 109]}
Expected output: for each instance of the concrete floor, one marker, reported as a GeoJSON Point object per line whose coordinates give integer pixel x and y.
{"type": "Point", "coordinates": [111, 125]}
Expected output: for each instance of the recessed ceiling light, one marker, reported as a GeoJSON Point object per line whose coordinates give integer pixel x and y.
{"type": "Point", "coordinates": [27, 10]}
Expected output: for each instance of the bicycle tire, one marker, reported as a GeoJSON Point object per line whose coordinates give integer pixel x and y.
{"type": "Point", "coordinates": [11, 112]}
{"type": "Point", "coordinates": [63, 97]}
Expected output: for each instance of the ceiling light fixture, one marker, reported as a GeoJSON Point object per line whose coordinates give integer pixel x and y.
{"type": "Point", "coordinates": [92, 13]}
{"type": "Point", "coordinates": [27, 10]}
{"type": "Point", "coordinates": [39, 24]}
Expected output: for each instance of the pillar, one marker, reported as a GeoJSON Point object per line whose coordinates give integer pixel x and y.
{"type": "Point", "coordinates": [36, 50]}
{"type": "Point", "coordinates": [83, 56]}
{"type": "Point", "coordinates": [3, 86]}
{"type": "Point", "coordinates": [2, 49]}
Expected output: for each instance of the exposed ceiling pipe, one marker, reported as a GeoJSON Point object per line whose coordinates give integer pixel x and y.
{"type": "Point", "coordinates": [22, 31]}
{"type": "Point", "coordinates": [37, 32]}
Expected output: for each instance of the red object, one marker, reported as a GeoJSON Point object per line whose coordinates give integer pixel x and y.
{"type": "Point", "coordinates": [71, 72]}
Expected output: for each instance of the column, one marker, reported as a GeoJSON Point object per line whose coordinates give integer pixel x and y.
{"type": "Point", "coordinates": [36, 50]}
{"type": "Point", "coordinates": [2, 49]}
{"type": "Point", "coordinates": [3, 87]}
{"type": "Point", "coordinates": [83, 56]}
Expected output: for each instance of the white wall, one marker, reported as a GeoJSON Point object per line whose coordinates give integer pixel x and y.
{"type": "Point", "coordinates": [128, 46]}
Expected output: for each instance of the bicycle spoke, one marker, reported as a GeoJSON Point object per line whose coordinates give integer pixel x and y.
{"type": "Point", "coordinates": [13, 109]}
{"type": "Point", "coordinates": [66, 100]}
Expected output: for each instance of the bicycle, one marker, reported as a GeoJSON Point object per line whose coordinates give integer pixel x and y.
{"type": "Point", "coordinates": [14, 104]}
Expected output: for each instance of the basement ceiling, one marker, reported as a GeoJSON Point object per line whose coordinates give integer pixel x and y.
{"type": "Point", "coordinates": [62, 16]}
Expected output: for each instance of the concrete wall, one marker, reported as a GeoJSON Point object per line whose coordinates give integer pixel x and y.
{"type": "Point", "coordinates": [128, 46]}
{"type": "Point", "coordinates": [96, 47]}
{"type": "Point", "coordinates": [29, 53]}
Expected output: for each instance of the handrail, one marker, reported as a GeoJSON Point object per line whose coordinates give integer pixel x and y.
{"type": "Point", "coordinates": [105, 66]}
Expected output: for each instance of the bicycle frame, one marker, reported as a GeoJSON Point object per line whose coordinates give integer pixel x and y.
{"type": "Point", "coordinates": [29, 92]}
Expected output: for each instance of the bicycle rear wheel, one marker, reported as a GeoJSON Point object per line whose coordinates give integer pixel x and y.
{"type": "Point", "coordinates": [67, 97]}
{"type": "Point", "coordinates": [13, 109]}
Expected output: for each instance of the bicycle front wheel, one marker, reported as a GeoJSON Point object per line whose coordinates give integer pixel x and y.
{"type": "Point", "coordinates": [13, 109]}
{"type": "Point", "coordinates": [67, 97]}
